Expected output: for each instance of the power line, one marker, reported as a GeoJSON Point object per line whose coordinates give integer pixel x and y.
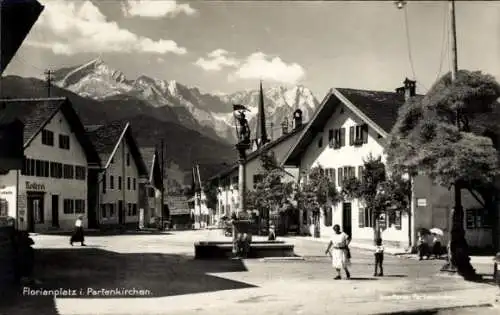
{"type": "Point", "coordinates": [445, 43]}
{"type": "Point", "coordinates": [408, 44]}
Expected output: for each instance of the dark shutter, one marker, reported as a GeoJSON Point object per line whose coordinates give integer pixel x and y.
{"type": "Point", "coordinates": [340, 176]}
{"type": "Point", "coordinates": [364, 133]}
{"type": "Point", "coordinates": [351, 135]}
{"type": "Point", "coordinates": [333, 176]}
{"type": "Point", "coordinates": [330, 136]}
{"type": "Point", "coordinates": [342, 137]}
{"type": "Point", "coordinates": [104, 184]}
{"type": "Point", "coordinates": [361, 217]}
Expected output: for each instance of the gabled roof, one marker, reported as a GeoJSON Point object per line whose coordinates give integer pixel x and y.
{"type": "Point", "coordinates": [36, 113]}
{"type": "Point", "coordinates": [106, 140]}
{"type": "Point", "coordinates": [379, 109]}
{"type": "Point", "coordinates": [149, 157]}
{"type": "Point", "coordinates": [255, 154]}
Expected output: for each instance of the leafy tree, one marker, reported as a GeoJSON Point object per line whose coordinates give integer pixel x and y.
{"type": "Point", "coordinates": [317, 192]}
{"type": "Point", "coordinates": [451, 135]}
{"type": "Point", "coordinates": [210, 190]}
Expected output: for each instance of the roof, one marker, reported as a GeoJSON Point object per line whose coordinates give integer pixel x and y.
{"type": "Point", "coordinates": [257, 153]}
{"type": "Point", "coordinates": [379, 109]}
{"type": "Point", "coordinates": [106, 139]}
{"type": "Point", "coordinates": [36, 113]}
{"type": "Point", "coordinates": [148, 156]}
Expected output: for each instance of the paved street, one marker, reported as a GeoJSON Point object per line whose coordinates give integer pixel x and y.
{"type": "Point", "coordinates": [172, 282]}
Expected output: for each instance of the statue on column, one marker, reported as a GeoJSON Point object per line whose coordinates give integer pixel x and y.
{"type": "Point", "coordinates": [244, 128]}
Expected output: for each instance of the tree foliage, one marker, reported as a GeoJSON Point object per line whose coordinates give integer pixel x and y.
{"type": "Point", "coordinates": [211, 191]}
{"type": "Point", "coordinates": [451, 133]}
{"type": "Point", "coordinates": [317, 191]}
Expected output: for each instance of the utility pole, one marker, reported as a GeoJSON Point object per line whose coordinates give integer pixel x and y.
{"type": "Point", "coordinates": [48, 78]}
{"type": "Point", "coordinates": [162, 183]}
{"type": "Point", "coordinates": [453, 30]}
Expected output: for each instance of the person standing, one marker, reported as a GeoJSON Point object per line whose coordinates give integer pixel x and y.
{"type": "Point", "coordinates": [423, 246]}
{"type": "Point", "coordinates": [436, 245]}
{"type": "Point", "coordinates": [78, 235]}
{"type": "Point", "coordinates": [338, 248]}
{"type": "Point", "coordinates": [379, 258]}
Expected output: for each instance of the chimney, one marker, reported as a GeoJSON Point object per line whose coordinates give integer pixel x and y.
{"type": "Point", "coordinates": [408, 89]}
{"type": "Point", "coordinates": [297, 118]}
{"type": "Point", "coordinates": [284, 126]}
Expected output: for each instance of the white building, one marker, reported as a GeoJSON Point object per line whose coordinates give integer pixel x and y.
{"type": "Point", "coordinates": [348, 126]}
{"type": "Point", "coordinates": [119, 180]}
{"type": "Point", "coordinates": [51, 190]}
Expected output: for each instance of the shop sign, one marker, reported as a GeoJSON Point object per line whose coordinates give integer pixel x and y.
{"type": "Point", "coordinates": [35, 186]}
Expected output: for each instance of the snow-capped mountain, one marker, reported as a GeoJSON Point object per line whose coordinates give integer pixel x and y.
{"type": "Point", "coordinates": [194, 109]}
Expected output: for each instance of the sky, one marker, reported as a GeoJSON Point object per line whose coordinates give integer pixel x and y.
{"type": "Point", "coordinates": [228, 46]}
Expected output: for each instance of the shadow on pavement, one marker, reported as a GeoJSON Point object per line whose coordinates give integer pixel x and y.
{"type": "Point", "coordinates": [395, 276]}
{"type": "Point", "coordinates": [362, 278]}
{"type": "Point", "coordinates": [108, 233]}
{"type": "Point", "coordinates": [96, 273]}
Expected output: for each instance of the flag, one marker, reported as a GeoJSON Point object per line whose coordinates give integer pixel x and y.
{"type": "Point", "coordinates": [239, 107]}
{"type": "Point", "coordinates": [17, 17]}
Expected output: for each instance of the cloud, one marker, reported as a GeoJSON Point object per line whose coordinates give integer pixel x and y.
{"type": "Point", "coordinates": [216, 60]}
{"type": "Point", "coordinates": [261, 66]}
{"type": "Point", "coordinates": [71, 27]}
{"type": "Point", "coordinates": [155, 9]}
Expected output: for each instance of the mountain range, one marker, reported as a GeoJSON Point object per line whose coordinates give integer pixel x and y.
{"type": "Point", "coordinates": [207, 113]}
{"type": "Point", "coordinates": [197, 127]}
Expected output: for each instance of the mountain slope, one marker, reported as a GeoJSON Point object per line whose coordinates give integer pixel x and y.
{"type": "Point", "coordinates": [207, 113]}
{"type": "Point", "coordinates": [184, 146]}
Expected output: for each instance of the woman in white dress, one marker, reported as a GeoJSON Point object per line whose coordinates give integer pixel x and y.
{"type": "Point", "coordinates": [338, 248]}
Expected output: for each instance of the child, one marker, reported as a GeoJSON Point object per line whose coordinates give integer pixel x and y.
{"type": "Point", "coordinates": [423, 246]}
{"type": "Point", "coordinates": [379, 258]}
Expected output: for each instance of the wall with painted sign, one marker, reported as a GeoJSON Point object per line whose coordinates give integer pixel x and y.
{"type": "Point", "coordinates": [8, 195]}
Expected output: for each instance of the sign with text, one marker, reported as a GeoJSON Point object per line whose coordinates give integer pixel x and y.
{"type": "Point", "coordinates": [421, 202]}
{"type": "Point", "coordinates": [35, 186]}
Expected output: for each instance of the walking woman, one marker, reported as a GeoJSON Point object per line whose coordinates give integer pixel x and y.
{"type": "Point", "coordinates": [77, 235]}
{"type": "Point", "coordinates": [338, 248]}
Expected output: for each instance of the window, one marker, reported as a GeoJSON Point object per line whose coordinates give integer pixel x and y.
{"type": "Point", "coordinates": [337, 138]}
{"type": "Point", "coordinates": [47, 137]}
{"type": "Point", "coordinates": [55, 170]}
{"type": "Point", "coordinates": [358, 134]}
{"type": "Point", "coordinates": [129, 207]}
{"type": "Point", "coordinates": [320, 141]}
{"type": "Point", "coordinates": [68, 171]}
{"type": "Point", "coordinates": [111, 210]}
{"type": "Point", "coordinates": [29, 167]}
{"type": "Point", "coordinates": [104, 211]}
{"type": "Point", "coordinates": [111, 182]}
{"type": "Point", "coordinates": [134, 184]}
{"type": "Point", "coordinates": [112, 160]}
{"type": "Point", "coordinates": [394, 218]}
{"type": "Point", "coordinates": [4, 207]}
{"type": "Point", "coordinates": [104, 184]}
{"type": "Point", "coordinates": [151, 192]}
{"type": "Point", "coordinates": [365, 218]}
{"type": "Point", "coordinates": [128, 159]}
{"type": "Point", "coordinates": [328, 216]}
{"type": "Point", "coordinates": [79, 206]}
{"type": "Point", "coordinates": [80, 172]}
{"type": "Point", "coordinates": [331, 138]}
{"type": "Point", "coordinates": [45, 168]}
{"type": "Point", "coordinates": [330, 173]}
{"type": "Point", "coordinates": [257, 179]}
{"type": "Point", "coordinates": [134, 209]}
{"type": "Point", "coordinates": [64, 142]}
{"type": "Point", "coordinates": [128, 183]}
{"type": "Point", "coordinates": [119, 182]}
{"type": "Point", "coordinates": [38, 168]}
{"type": "Point", "coordinates": [340, 176]}
{"type": "Point", "coordinates": [478, 218]}
{"type": "Point", "coordinates": [360, 173]}
{"type": "Point", "coordinates": [345, 173]}
{"type": "Point", "coordinates": [68, 206]}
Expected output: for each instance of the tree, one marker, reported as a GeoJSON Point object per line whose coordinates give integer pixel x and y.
{"type": "Point", "coordinates": [317, 192]}
{"type": "Point", "coordinates": [451, 136]}
{"type": "Point", "coordinates": [379, 192]}
{"type": "Point", "coordinates": [211, 192]}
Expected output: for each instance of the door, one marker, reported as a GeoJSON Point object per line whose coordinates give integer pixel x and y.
{"type": "Point", "coordinates": [120, 212]}
{"type": "Point", "coordinates": [55, 211]}
{"type": "Point", "coordinates": [35, 211]}
{"type": "Point", "coordinates": [347, 218]}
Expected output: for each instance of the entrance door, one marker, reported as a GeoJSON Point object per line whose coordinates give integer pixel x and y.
{"type": "Point", "coordinates": [347, 218]}
{"type": "Point", "coordinates": [120, 212]}
{"type": "Point", "coordinates": [55, 211]}
{"type": "Point", "coordinates": [35, 211]}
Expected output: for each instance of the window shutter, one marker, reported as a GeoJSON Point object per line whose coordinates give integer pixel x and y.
{"type": "Point", "coordinates": [361, 217]}
{"type": "Point", "coordinates": [104, 183]}
{"type": "Point", "coordinates": [333, 176]}
{"type": "Point", "coordinates": [351, 135]}
{"type": "Point", "coordinates": [330, 137]}
{"type": "Point", "coordinates": [364, 133]}
{"type": "Point", "coordinates": [340, 176]}
{"type": "Point", "coordinates": [360, 173]}
{"type": "Point", "coordinates": [342, 137]}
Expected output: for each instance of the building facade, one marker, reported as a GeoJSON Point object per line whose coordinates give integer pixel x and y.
{"type": "Point", "coordinates": [153, 185]}
{"type": "Point", "coordinates": [123, 175]}
{"type": "Point", "coordinates": [51, 190]}
{"type": "Point", "coordinates": [348, 127]}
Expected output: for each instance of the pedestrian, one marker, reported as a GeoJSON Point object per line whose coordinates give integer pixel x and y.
{"type": "Point", "coordinates": [272, 233]}
{"type": "Point", "coordinates": [78, 235]}
{"type": "Point", "coordinates": [436, 245]}
{"type": "Point", "coordinates": [338, 249]}
{"type": "Point", "coordinates": [379, 258]}
{"type": "Point", "coordinates": [423, 246]}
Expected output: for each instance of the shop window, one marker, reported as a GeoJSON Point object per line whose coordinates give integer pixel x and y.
{"type": "Point", "coordinates": [68, 206]}
{"type": "Point", "coordinates": [4, 207]}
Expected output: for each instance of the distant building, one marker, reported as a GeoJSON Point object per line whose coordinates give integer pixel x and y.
{"type": "Point", "coordinates": [180, 213]}
{"type": "Point", "coordinates": [119, 195]}
{"type": "Point", "coordinates": [153, 186]}
{"type": "Point", "coordinates": [52, 189]}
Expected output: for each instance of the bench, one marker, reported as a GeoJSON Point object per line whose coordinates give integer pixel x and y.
{"type": "Point", "coordinates": [258, 249]}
